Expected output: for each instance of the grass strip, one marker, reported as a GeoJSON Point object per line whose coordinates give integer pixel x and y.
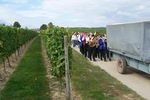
{"type": "Point", "coordinates": [93, 83]}
{"type": "Point", "coordinates": [28, 82]}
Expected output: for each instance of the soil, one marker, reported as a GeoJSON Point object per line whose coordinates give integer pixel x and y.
{"type": "Point", "coordinates": [57, 92]}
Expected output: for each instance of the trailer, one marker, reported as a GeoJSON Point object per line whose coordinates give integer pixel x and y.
{"type": "Point", "coordinates": [130, 45]}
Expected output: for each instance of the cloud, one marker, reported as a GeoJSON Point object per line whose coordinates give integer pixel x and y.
{"type": "Point", "coordinates": [15, 1]}
{"type": "Point", "coordinates": [7, 14]}
{"type": "Point", "coordinates": [72, 13]}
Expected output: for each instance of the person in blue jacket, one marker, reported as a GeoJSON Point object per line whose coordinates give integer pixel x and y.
{"type": "Point", "coordinates": [81, 38]}
{"type": "Point", "coordinates": [102, 49]}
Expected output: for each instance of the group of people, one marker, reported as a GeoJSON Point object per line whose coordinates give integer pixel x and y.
{"type": "Point", "coordinates": [92, 45]}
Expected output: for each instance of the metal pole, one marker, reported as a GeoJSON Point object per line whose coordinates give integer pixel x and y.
{"type": "Point", "coordinates": [67, 74]}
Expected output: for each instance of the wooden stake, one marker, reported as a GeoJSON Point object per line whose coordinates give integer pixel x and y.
{"type": "Point", "coordinates": [4, 65]}
{"type": "Point", "coordinates": [67, 73]}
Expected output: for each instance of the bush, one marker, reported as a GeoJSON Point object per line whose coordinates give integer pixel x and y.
{"type": "Point", "coordinates": [54, 41]}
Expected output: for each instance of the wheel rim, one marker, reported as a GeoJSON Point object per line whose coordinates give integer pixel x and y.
{"type": "Point", "coordinates": [120, 65]}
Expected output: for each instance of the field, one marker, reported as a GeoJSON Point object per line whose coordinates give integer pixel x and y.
{"type": "Point", "coordinates": [33, 80]}
{"type": "Point", "coordinates": [99, 30]}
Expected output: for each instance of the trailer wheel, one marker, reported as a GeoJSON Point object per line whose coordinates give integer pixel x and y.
{"type": "Point", "coordinates": [122, 66]}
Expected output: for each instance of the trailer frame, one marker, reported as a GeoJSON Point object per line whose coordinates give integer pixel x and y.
{"type": "Point", "coordinates": [131, 61]}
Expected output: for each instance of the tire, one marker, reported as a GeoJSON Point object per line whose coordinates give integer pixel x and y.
{"type": "Point", "coordinates": [122, 66]}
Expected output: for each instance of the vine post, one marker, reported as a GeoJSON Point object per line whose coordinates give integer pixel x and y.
{"type": "Point", "coordinates": [67, 73]}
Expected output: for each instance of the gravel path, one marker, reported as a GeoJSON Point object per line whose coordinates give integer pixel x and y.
{"type": "Point", "coordinates": [136, 80]}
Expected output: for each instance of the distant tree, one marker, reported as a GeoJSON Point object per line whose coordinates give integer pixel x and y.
{"type": "Point", "coordinates": [43, 27]}
{"type": "Point", "coordinates": [2, 24]}
{"type": "Point", "coordinates": [16, 24]}
{"type": "Point", "coordinates": [50, 25]}
{"type": "Point", "coordinates": [26, 27]}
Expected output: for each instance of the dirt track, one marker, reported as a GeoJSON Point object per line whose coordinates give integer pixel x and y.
{"type": "Point", "coordinates": [136, 80]}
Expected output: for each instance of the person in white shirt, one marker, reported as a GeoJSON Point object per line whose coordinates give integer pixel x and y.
{"type": "Point", "coordinates": [74, 39]}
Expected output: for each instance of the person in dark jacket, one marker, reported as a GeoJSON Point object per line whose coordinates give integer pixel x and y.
{"type": "Point", "coordinates": [81, 38]}
{"type": "Point", "coordinates": [84, 45]}
{"type": "Point", "coordinates": [106, 50]}
{"type": "Point", "coordinates": [92, 48]}
{"type": "Point", "coordinates": [101, 49]}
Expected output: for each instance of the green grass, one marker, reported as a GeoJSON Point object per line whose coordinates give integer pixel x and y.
{"type": "Point", "coordinates": [99, 30]}
{"type": "Point", "coordinates": [29, 81]}
{"type": "Point", "coordinates": [93, 83]}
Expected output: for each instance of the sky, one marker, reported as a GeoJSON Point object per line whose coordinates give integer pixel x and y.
{"type": "Point", "coordinates": [73, 13]}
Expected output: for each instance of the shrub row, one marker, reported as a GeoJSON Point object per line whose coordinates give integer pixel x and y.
{"type": "Point", "coordinates": [54, 42]}
{"type": "Point", "coordinates": [11, 39]}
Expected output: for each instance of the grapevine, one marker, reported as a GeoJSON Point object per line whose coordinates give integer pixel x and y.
{"type": "Point", "coordinates": [54, 42]}
{"type": "Point", "coordinates": [11, 39]}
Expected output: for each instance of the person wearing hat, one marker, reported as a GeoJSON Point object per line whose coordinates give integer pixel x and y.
{"type": "Point", "coordinates": [92, 48]}
{"type": "Point", "coordinates": [97, 45]}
